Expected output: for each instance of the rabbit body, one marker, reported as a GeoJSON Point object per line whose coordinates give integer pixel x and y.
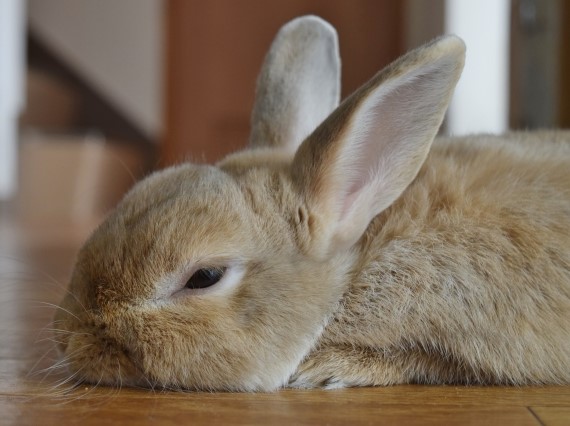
{"type": "Point", "coordinates": [466, 278]}
{"type": "Point", "coordinates": [352, 251]}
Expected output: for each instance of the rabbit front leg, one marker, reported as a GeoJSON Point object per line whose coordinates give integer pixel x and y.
{"type": "Point", "coordinates": [333, 367]}
{"type": "Point", "coordinates": [339, 366]}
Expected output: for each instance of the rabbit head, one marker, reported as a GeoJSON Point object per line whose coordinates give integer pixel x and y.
{"type": "Point", "coordinates": [223, 277]}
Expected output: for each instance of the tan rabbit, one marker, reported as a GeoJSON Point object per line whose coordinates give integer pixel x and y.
{"type": "Point", "coordinates": [354, 253]}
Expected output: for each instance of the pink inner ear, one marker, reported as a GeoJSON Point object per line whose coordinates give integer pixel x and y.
{"type": "Point", "coordinates": [349, 198]}
{"type": "Point", "coordinates": [388, 138]}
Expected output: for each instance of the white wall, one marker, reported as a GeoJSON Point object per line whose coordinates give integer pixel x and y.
{"type": "Point", "coordinates": [12, 33]}
{"type": "Point", "coordinates": [481, 100]}
{"type": "Point", "coordinates": [116, 45]}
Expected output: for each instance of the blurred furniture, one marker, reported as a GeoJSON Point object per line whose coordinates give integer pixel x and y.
{"type": "Point", "coordinates": [564, 100]}
{"type": "Point", "coordinates": [70, 172]}
{"type": "Point", "coordinates": [73, 178]}
{"type": "Point", "coordinates": [114, 46]}
{"type": "Point", "coordinates": [540, 64]}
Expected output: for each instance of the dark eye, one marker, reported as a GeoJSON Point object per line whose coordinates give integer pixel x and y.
{"type": "Point", "coordinates": [205, 277]}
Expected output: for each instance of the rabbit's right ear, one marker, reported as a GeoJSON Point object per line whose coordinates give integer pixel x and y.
{"type": "Point", "coordinates": [299, 84]}
{"type": "Point", "coordinates": [359, 160]}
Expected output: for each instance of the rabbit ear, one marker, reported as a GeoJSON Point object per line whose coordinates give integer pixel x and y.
{"type": "Point", "coordinates": [299, 84]}
{"type": "Point", "coordinates": [360, 160]}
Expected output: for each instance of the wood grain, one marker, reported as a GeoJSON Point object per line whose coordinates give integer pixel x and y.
{"type": "Point", "coordinates": [34, 268]}
{"type": "Point", "coordinates": [553, 416]}
{"type": "Point", "coordinates": [281, 409]}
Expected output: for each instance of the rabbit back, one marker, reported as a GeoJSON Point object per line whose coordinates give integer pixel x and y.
{"type": "Point", "coordinates": [466, 277]}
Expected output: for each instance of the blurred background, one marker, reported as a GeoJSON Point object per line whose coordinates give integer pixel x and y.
{"type": "Point", "coordinates": [94, 94]}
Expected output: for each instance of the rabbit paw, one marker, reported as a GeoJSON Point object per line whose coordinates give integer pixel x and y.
{"type": "Point", "coordinates": [341, 367]}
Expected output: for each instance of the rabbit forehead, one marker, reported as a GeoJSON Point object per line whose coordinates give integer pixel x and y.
{"type": "Point", "coordinates": [173, 218]}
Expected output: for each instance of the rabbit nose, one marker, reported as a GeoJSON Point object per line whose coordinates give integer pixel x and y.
{"type": "Point", "coordinates": [61, 328]}
{"type": "Point", "coordinates": [61, 346]}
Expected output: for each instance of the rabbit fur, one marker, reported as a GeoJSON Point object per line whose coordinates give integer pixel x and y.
{"type": "Point", "coordinates": [356, 250]}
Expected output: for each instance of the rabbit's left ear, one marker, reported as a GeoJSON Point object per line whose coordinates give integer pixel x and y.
{"type": "Point", "coordinates": [366, 153]}
{"type": "Point", "coordinates": [299, 84]}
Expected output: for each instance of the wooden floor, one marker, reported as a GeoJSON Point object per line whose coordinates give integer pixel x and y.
{"type": "Point", "coordinates": [35, 263]}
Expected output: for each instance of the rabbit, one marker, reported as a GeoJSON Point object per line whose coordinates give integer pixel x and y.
{"type": "Point", "coordinates": [347, 245]}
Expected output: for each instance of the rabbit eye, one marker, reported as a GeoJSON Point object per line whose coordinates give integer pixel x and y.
{"type": "Point", "coordinates": [205, 277]}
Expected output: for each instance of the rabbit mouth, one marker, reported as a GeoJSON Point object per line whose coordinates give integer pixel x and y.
{"type": "Point", "coordinates": [89, 351]}
{"type": "Point", "coordinates": [89, 357]}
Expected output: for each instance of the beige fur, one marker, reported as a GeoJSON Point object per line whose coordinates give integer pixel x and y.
{"type": "Point", "coordinates": [365, 260]}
